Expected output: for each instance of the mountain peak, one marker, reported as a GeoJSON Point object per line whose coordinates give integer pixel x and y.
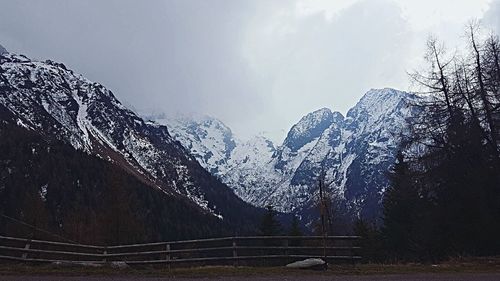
{"type": "Point", "coordinates": [308, 128]}
{"type": "Point", "coordinates": [2, 50]}
{"type": "Point", "coordinates": [313, 118]}
{"type": "Point", "coordinates": [378, 102]}
{"type": "Point", "coordinates": [208, 139]}
{"type": "Point", "coordinates": [380, 94]}
{"type": "Point", "coordinates": [323, 110]}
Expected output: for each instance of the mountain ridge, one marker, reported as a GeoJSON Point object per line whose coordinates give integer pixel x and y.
{"type": "Point", "coordinates": [347, 149]}
{"type": "Point", "coordinates": [47, 97]}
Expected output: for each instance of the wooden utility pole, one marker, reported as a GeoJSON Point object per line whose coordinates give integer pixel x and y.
{"type": "Point", "coordinates": [322, 212]}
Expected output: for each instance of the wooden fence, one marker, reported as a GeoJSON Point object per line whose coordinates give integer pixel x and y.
{"type": "Point", "coordinates": [259, 250]}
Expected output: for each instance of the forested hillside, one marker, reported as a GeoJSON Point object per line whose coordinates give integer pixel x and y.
{"type": "Point", "coordinates": [444, 198]}
{"type": "Point", "coordinates": [50, 185]}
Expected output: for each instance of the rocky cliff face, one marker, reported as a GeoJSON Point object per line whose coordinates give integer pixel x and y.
{"type": "Point", "coordinates": [354, 153]}
{"type": "Point", "coordinates": [2, 50]}
{"type": "Point", "coordinates": [52, 100]}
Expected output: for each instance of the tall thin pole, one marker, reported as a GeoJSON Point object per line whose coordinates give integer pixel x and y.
{"type": "Point", "coordinates": [322, 210]}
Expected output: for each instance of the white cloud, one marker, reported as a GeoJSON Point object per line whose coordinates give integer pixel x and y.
{"type": "Point", "coordinates": [426, 14]}
{"type": "Point", "coordinates": [492, 16]}
{"type": "Point", "coordinates": [330, 8]}
{"type": "Point", "coordinates": [256, 64]}
{"type": "Point", "coordinates": [313, 61]}
{"type": "Point", "coordinates": [421, 14]}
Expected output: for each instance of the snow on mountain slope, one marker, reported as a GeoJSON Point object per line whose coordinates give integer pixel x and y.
{"type": "Point", "coordinates": [250, 170]}
{"type": "Point", "coordinates": [250, 167]}
{"type": "Point", "coordinates": [308, 128]}
{"type": "Point", "coordinates": [53, 100]}
{"type": "Point", "coordinates": [354, 153]}
{"type": "Point", "coordinates": [302, 137]}
{"type": "Point", "coordinates": [363, 149]}
{"type": "Point", "coordinates": [240, 164]}
{"type": "Point", "coordinates": [257, 171]}
{"type": "Point", "coordinates": [2, 50]}
{"type": "Point", "coordinates": [207, 138]}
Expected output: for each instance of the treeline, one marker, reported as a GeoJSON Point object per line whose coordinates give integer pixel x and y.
{"type": "Point", "coordinates": [444, 198]}
{"type": "Point", "coordinates": [50, 186]}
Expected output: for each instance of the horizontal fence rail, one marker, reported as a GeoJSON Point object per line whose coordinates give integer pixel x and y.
{"type": "Point", "coordinates": [255, 250]}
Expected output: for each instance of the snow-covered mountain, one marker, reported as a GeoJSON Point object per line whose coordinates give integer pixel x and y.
{"type": "Point", "coordinates": [354, 153]}
{"type": "Point", "coordinates": [48, 98]}
{"type": "Point", "coordinates": [207, 138]}
{"type": "Point", "coordinates": [217, 150]}
{"type": "Point", "coordinates": [2, 50]}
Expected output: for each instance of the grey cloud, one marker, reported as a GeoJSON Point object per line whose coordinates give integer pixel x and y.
{"type": "Point", "coordinates": [204, 56]}
{"type": "Point", "coordinates": [492, 16]}
{"type": "Point", "coordinates": [170, 55]}
{"type": "Point", "coordinates": [332, 64]}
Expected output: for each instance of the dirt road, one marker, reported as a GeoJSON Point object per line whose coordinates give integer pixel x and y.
{"type": "Point", "coordinates": [406, 277]}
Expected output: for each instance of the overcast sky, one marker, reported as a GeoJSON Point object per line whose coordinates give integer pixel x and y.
{"type": "Point", "coordinates": [258, 65]}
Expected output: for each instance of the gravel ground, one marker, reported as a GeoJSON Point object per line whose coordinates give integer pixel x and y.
{"type": "Point", "coordinates": [406, 277]}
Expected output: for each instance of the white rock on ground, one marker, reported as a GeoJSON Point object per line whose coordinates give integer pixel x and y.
{"type": "Point", "coordinates": [313, 263]}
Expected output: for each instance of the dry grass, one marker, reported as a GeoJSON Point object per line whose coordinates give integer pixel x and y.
{"type": "Point", "coordinates": [458, 265]}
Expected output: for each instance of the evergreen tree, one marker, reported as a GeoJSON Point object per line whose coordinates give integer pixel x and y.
{"type": "Point", "coordinates": [456, 207]}
{"type": "Point", "coordinates": [400, 207]}
{"type": "Point", "coordinates": [48, 184]}
{"type": "Point", "coordinates": [270, 226]}
{"type": "Point", "coordinates": [372, 248]}
{"type": "Point", "coordinates": [295, 229]}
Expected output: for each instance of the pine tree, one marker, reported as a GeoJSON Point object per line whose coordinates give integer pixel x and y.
{"type": "Point", "coordinates": [458, 167]}
{"type": "Point", "coordinates": [270, 226]}
{"type": "Point", "coordinates": [295, 229]}
{"type": "Point", "coordinates": [400, 207]}
{"type": "Point", "coordinates": [372, 248]}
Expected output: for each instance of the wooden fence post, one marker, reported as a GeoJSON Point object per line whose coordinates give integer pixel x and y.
{"type": "Point", "coordinates": [286, 249]}
{"type": "Point", "coordinates": [235, 254]}
{"type": "Point", "coordinates": [26, 247]}
{"type": "Point", "coordinates": [167, 247]}
{"type": "Point", "coordinates": [105, 254]}
{"type": "Point", "coordinates": [351, 251]}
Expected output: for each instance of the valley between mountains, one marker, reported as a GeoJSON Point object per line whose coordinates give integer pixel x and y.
{"type": "Point", "coordinates": [351, 154]}
{"type": "Point", "coordinates": [179, 176]}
